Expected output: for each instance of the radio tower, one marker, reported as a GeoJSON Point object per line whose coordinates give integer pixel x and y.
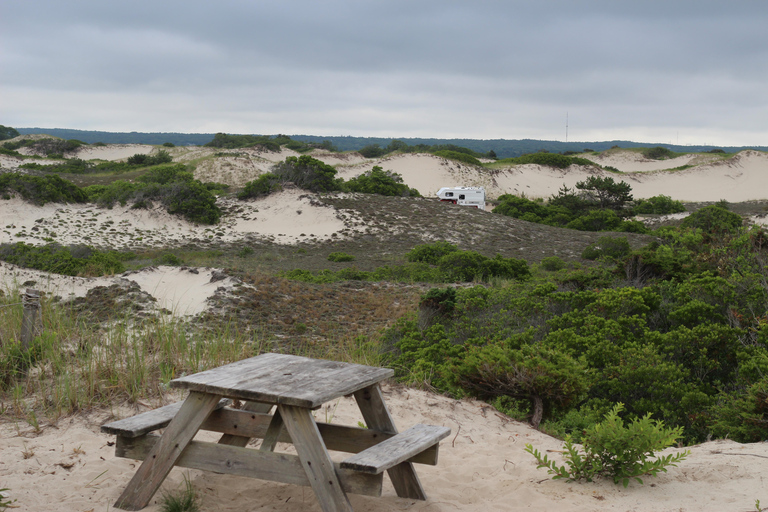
{"type": "Point", "coordinates": [566, 127]}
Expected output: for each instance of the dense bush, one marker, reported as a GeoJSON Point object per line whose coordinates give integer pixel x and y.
{"type": "Point", "coordinates": [340, 257]}
{"type": "Point", "coordinates": [171, 185]}
{"type": "Point", "coordinates": [161, 157]}
{"type": "Point", "coordinates": [431, 253]}
{"type": "Point", "coordinates": [548, 160]}
{"type": "Point", "coordinates": [76, 260]}
{"type": "Point", "coordinates": [658, 153]}
{"type": "Point", "coordinates": [660, 204]}
{"type": "Point", "coordinates": [261, 186]}
{"type": "Point", "coordinates": [47, 146]}
{"type": "Point", "coordinates": [687, 342]}
{"type": "Point", "coordinates": [40, 190]}
{"type": "Point", "coordinates": [713, 220]}
{"type": "Point", "coordinates": [379, 181]}
{"type": "Point", "coordinates": [607, 247]}
{"type": "Point", "coordinates": [459, 157]}
{"type": "Point", "coordinates": [308, 173]}
{"type": "Point", "coordinates": [6, 132]}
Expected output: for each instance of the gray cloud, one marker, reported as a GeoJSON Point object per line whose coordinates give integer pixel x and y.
{"type": "Point", "coordinates": [488, 69]}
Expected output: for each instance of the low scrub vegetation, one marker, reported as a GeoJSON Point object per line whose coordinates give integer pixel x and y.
{"type": "Point", "coordinates": [74, 260]}
{"type": "Point", "coordinates": [597, 204]}
{"type": "Point", "coordinates": [676, 330]}
{"type": "Point", "coordinates": [80, 166]}
{"type": "Point", "coordinates": [40, 189]}
{"type": "Point", "coordinates": [171, 185]}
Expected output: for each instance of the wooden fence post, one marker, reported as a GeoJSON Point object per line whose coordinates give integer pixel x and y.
{"type": "Point", "coordinates": [31, 301]}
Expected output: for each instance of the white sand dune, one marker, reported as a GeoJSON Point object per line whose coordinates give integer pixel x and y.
{"type": "Point", "coordinates": [181, 290]}
{"type": "Point", "coordinates": [482, 466]}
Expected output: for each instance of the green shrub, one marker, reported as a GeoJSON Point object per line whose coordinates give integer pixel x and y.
{"type": "Point", "coordinates": [171, 185]}
{"type": "Point", "coordinates": [379, 181]}
{"type": "Point", "coordinates": [546, 376]}
{"type": "Point", "coordinates": [162, 157]}
{"type": "Point", "coordinates": [552, 263]}
{"type": "Point", "coordinates": [168, 258]}
{"type": "Point", "coordinates": [261, 186]}
{"type": "Point", "coordinates": [6, 132]}
{"type": "Point", "coordinates": [548, 160]}
{"type": "Point", "coordinates": [713, 220]}
{"type": "Point", "coordinates": [658, 153]}
{"type": "Point", "coordinates": [607, 247]}
{"type": "Point", "coordinates": [431, 253]}
{"type": "Point", "coordinates": [41, 189]}
{"type": "Point", "coordinates": [340, 257]}
{"type": "Point", "coordinates": [73, 260]}
{"type": "Point", "coordinates": [460, 157]}
{"type": "Point", "coordinates": [613, 449]}
{"type": "Point", "coordinates": [308, 173]}
{"type": "Point", "coordinates": [660, 204]}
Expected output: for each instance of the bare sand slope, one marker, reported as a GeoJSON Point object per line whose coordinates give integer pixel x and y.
{"type": "Point", "coordinates": [181, 290]}
{"type": "Point", "coordinates": [632, 161]}
{"type": "Point", "coordinates": [482, 467]}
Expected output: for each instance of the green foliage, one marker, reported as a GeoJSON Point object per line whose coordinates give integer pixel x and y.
{"type": "Point", "coordinates": [547, 376]}
{"type": "Point", "coordinates": [743, 416]}
{"type": "Point", "coordinates": [713, 220]}
{"type": "Point", "coordinates": [40, 189]}
{"type": "Point", "coordinates": [379, 181]}
{"type": "Point", "coordinates": [431, 253]}
{"type": "Point", "coordinates": [6, 132]}
{"type": "Point", "coordinates": [308, 173]}
{"type": "Point", "coordinates": [74, 260]}
{"type": "Point", "coordinates": [269, 143]}
{"type": "Point", "coordinates": [161, 157]}
{"type": "Point", "coordinates": [658, 153]}
{"type": "Point", "coordinates": [599, 205]}
{"type": "Point", "coordinates": [548, 160]}
{"type": "Point", "coordinates": [171, 185]}
{"type": "Point", "coordinates": [184, 500]}
{"type": "Point", "coordinates": [340, 257]}
{"type": "Point", "coordinates": [607, 247]}
{"type": "Point", "coordinates": [471, 265]}
{"type": "Point", "coordinates": [605, 193]}
{"type": "Point", "coordinates": [261, 186]}
{"type": "Point", "coordinates": [552, 263]}
{"type": "Point", "coordinates": [168, 258]}
{"type": "Point", "coordinates": [5, 502]}
{"type": "Point", "coordinates": [613, 449]}
{"type": "Point", "coordinates": [459, 157]}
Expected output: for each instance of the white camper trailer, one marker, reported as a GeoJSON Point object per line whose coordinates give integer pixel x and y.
{"type": "Point", "coordinates": [465, 196]}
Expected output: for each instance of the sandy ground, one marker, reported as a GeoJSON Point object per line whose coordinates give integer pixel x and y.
{"type": "Point", "coordinates": [286, 217]}
{"type": "Point", "coordinates": [482, 466]}
{"type": "Point", "coordinates": [181, 290]}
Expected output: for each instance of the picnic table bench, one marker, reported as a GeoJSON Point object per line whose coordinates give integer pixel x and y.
{"type": "Point", "coordinates": [295, 386]}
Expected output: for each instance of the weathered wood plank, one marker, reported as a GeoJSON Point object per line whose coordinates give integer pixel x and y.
{"type": "Point", "coordinates": [284, 379]}
{"type": "Point", "coordinates": [404, 478]}
{"type": "Point", "coordinates": [276, 467]}
{"type": "Point", "coordinates": [273, 432]}
{"type": "Point", "coordinates": [149, 421]}
{"type": "Point", "coordinates": [396, 449]}
{"type": "Point", "coordinates": [159, 462]}
{"type": "Point", "coordinates": [233, 437]}
{"type": "Point", "coordinates": [315, 460]}
{"type": "Point", "coordinates": [339, 438]}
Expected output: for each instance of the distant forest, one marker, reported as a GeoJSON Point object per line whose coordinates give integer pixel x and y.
{"type": "Point", "coordinates": [504, 148]}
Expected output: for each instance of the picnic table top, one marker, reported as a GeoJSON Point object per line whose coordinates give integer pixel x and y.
{"type": "Point", "coordinates": [284, 379]}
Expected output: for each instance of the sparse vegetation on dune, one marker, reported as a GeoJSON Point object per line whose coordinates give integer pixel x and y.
{"type": "Point", "coordinates": [554, 325]}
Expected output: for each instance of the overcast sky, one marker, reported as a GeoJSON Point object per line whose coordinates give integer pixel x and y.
{"type": "Point", "coordinates": [687, 72]}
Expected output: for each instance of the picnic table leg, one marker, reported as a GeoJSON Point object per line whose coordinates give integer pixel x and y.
{"type": "Point", "coordinates": [242, 441]}
{"type": "Point", "coordinates": [163, 456]}
{"type": "Point", "coordinates": [403, 476]}
{"type": "Point", "coordinates": [314, 458]}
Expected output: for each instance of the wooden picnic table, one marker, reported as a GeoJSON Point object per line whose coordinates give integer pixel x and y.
{"type": "Point", "coordinates": [296, 386]}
